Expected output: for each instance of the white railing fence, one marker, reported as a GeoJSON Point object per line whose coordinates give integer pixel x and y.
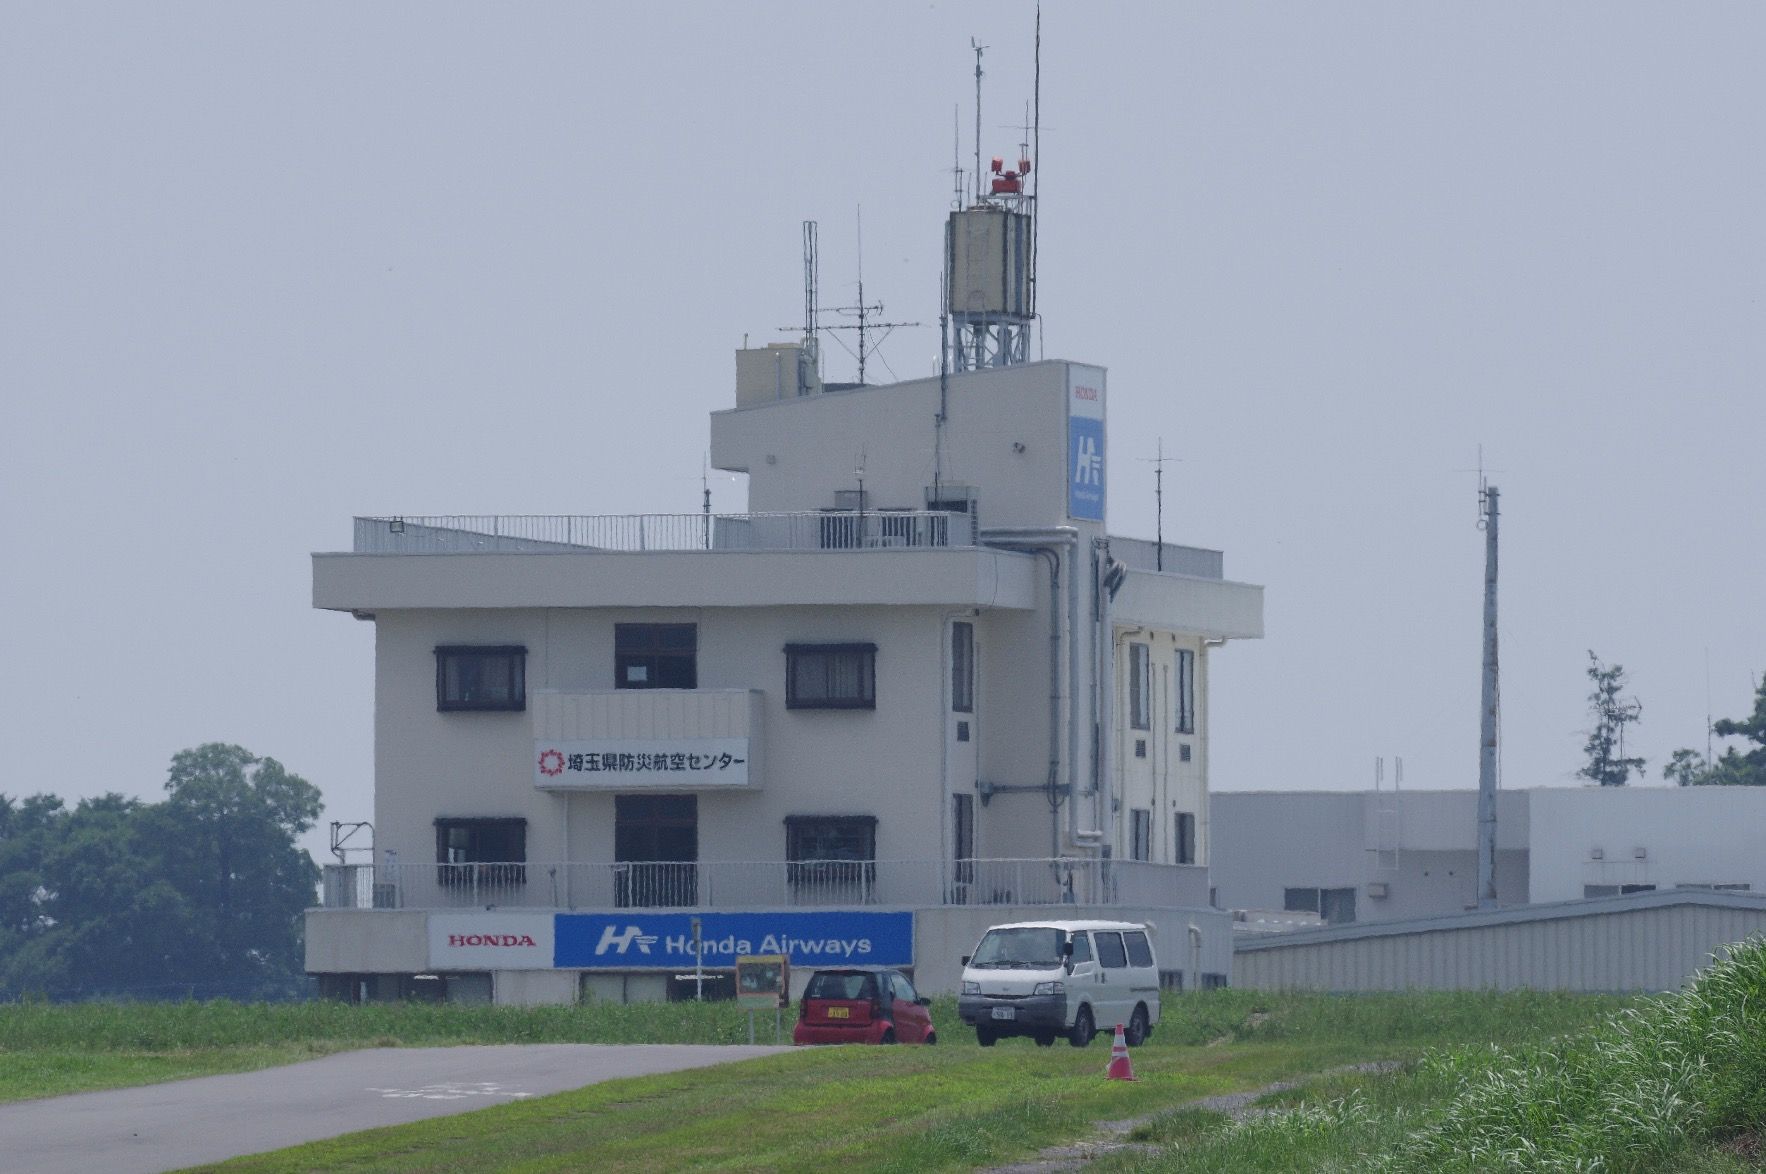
{"type": "Point", "coordinates": [761, 884]}
{"type": "Point", "coordinates": [813, 530]}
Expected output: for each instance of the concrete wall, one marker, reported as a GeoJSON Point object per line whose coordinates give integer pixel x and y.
{"type": "Point", "coordinates": [884, 762]}
{"type": "Point", "coordinates": [1005, 432]}
{"type": "Point", "coordinates": [1159, 780]}
{"type": "Point", "coordinates": [1688, 835]}
{"type": "Point", "coordinates": [1269, 841]}
{"type": "Point", "coordinates": [1609, 945]}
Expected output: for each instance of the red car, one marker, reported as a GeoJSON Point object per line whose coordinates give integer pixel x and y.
{"type": "Point", "coordinates": [862, 1007]}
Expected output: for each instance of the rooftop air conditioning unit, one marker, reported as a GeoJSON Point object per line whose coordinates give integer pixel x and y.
{"type": "Point", "coordinates": [1377, 889]}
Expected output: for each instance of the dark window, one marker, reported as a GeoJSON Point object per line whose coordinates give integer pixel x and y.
{"type": "Point", "coordinates": [1141, 824]}
{"type": "Point", "coordinates": [481, 851]}
{"type": "Point", "coordinates": [962, 667]}
{"type": "Point", "coordinates": [655, 846]}
{"type": "Point", "coordinates": [1183, 751]}
{"type": "Point", "coordinates": [1110, 951]}
{"type": "Point", "coordinates": [841, 984]}
{"type": "Point", "coordinates": [480, 676]}
{"type": "Point", "coordinates": [655, 656]}
{"type": "Point", "coordinates": [963, 837]}
{"type": "Point", "coordinates": [1140, 952]}
{"type": "Point", "coordinates": [1600, 890]}
{"type": "Point", "coordinates": [1186, 693]}
{"type": "Point", "coordinates": [1335, 906]}
{"type": "Point", "coordinates": [830, 676]}
{"type": "Point", "coordinates": [1186, 838]}
{"type": "Point", "coordinates": [1081, 948]}
{"type": "Point", "coordinates": [1623, 889]}
{"type": "Point", "coordinates": [831, 857]}
{"type": "Point", "coordinates": [1140, 714]}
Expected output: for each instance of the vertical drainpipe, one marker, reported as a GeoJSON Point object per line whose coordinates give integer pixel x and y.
{"type": "Point", "coordinates": [1051, 542]}
{"type": "Point", "coordinates": [1105, 686]}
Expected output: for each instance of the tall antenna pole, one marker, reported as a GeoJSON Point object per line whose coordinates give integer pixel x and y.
{"type": "Point", "coordinates": [1036, 154]}
{"type": "Point", "coordinates": [979, 50]}
{"type": "Point", "coordinates": [862, 310]}
{"type": "Point", "coordinates": [1159, 462]}
{"type": "Point", "coordinates": [1487, 732]}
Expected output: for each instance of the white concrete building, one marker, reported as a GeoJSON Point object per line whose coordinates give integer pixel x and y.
{"type": "Point", "coordinates": [916, 691]}
{"type": "Point", "coordinates": [1361, 856]}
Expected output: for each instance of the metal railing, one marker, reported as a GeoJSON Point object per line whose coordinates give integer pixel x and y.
{"type": "Point", "coordinates": [762, 884]}
{"type": "Point", "coordinates": [539, 533]}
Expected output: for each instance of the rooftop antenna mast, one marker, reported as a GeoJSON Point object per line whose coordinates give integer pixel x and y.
{"type": "Point", "coordinates": [988, 256]}
{"type": "Point", "coordinates": [862, 310]}
{"type": "Point", "coordinates": [1159, 462]}
{"type": "Point", "coordinates": [812, 264]}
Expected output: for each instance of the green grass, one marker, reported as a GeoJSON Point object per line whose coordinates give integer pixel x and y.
{"type": "Point", "coordinates": [955, 1106]}
{"type": "Point", "coordinates": [1676, 1083]}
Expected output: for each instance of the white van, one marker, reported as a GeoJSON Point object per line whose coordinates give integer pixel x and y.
{"type": "Point", "coordinates": [1061, 978]}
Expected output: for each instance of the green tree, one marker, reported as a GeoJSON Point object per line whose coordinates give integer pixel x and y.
{"type": "Point", "coordinates": [1732, 768]}
{"type": "Point", "coordinates": [1605, 748]}
{"type": "Point", "coordinates": [202, 892]}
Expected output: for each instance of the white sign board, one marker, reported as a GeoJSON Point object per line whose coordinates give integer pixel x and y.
{"type": "Point", "coordinates": [491, 941]}
{"type": "Point", "coordinates": [628, 764]}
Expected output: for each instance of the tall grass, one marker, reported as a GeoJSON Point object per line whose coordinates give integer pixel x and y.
{"type": "Point", "coordinates": [1629, 1094]}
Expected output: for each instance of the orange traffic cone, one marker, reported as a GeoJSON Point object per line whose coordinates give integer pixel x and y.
{"type": "Point", "coordinates": [1120, 1066]}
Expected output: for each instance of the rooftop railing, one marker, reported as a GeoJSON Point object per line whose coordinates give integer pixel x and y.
{"type": "Point", "coordinates": [762, 884]}
{"type": "Point", "coordinates": [538, 533]}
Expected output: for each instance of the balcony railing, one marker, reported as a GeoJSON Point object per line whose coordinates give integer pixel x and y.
{"type": "Point", "coordinates": [762, 884]}
{"type": "Point", "coordinates": [540, 533]}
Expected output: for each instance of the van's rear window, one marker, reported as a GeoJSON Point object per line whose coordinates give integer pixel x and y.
{"type": "Point", "coordinates": [1140, 951]}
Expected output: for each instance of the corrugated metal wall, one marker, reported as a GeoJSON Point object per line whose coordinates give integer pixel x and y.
{"type": "Point", "coordinates": [1650, 949]}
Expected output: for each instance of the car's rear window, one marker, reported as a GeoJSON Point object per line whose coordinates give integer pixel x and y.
{"type": "Point", "coordinates": [1140, 951]}
{"type": "Point", "coordinates": [840, 986]}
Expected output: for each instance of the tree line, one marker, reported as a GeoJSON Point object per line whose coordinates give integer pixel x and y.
{"type": "Point", "coordinates": [1608, 764]}
{"type": "Point", "coordinates": [199, 894]}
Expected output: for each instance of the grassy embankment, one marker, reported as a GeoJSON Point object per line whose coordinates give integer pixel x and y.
{"type": "Point", "coordinates": [1676, 1083]}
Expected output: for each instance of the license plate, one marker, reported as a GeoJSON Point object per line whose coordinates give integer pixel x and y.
{"type": "Point", "coordinates": [839, 1012]}
{"type": "Point", "coordinates": [1005, 1012]}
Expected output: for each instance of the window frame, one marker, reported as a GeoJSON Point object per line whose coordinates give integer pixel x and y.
{"type": "Point", "coordinates": [516, 684]}
{"type": "Point", "coordinates": [1184, 850]}
{"type": "Point", "coordinates": [962, 666]}
{"type": "Point", "coordinates": [457, 873]}
{"type": "Point", "coordinates": [833, 875]}
{"type": "Point", "coordinates": [1140, 835]}
{"type": "Point", "coordinates": [653, 654]}
{"type": "Point", "coordinates": [796, 656]}
{"type": "Point", "coordinates": [1140, 682]}
{"type": "Point", "coordinates": [1185, 692]}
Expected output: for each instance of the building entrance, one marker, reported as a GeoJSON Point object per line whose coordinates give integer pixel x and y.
{"type": "Point", "coordinates": [656, 849]}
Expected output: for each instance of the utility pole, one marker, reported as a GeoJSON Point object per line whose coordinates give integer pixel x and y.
{"type": "Point", "coordinates": [1487, 516]}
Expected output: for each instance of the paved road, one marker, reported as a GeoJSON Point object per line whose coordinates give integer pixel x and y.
{"type": "Point", "coordinates": [187, 1122]}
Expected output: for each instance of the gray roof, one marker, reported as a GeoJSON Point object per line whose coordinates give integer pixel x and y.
{"type": "Point", "coordinates": [1515, 915]}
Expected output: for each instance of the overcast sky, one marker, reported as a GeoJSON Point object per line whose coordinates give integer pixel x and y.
{"type": "Point", "coordinates": [266, 266]}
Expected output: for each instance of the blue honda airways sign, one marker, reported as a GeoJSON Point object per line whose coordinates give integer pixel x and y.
{"type": "Point", "coordinates": [823, 938]}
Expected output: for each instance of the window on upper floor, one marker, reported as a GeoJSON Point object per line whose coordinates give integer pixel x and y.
{"type": "Point", "coordinates": [656, 656]}
{"type": "Point", "coordinates": [1186, 837]}
{"type": "Point", "coordinates": [962, 667]}
{"type": "Point", "coordinates": [1140, 693]}
{"type": "Point", "coordinates": [1185, 692]}
{"type": "Point", "coordinates": [488, 851]}
{"type": "Point", "coordinates": [1141, 833]}
{"type": "Point", "coordinates": [831, 856]}
{"type": "Point", "coordinates": [830, 676]}
{"type": "Point", "coordinates": [485, 677]}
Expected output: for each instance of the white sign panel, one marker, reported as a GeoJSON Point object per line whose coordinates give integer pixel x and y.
{"type": "Point", "coordinates": [1085, 443]}
{"type": "Point", "coordinates": [491, 941]}
{"type": "Point", "coordinates": [636, 763]}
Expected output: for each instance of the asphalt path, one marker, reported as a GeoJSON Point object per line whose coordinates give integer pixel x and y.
{"type": "Point", "coordinates": [183, 1123]}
